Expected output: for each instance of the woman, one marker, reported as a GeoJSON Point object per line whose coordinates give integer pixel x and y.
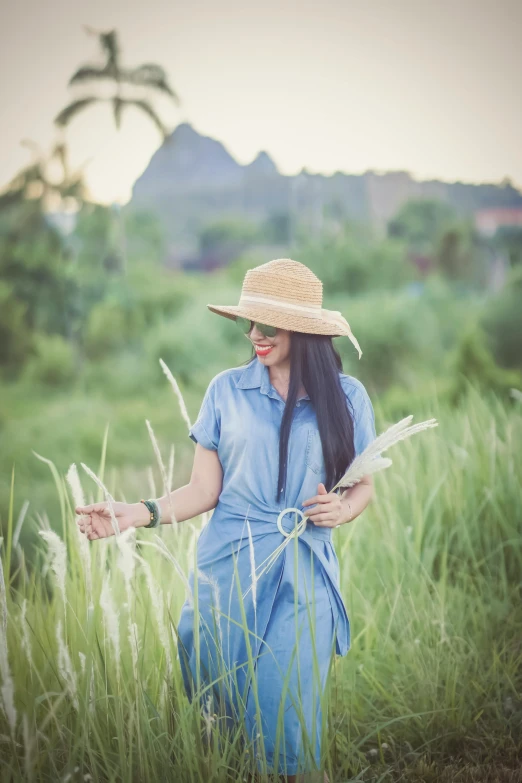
{"type": "Point", "coordinates": [271, 437]}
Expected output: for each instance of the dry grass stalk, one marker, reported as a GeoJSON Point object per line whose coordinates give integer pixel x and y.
{"type": "Point", "coordinates": [83, 542]}
{"type": "Point", "coordinates": [65, 666]}
{"type": "Point", "coordinates": [108, 497]}
{"type": "Point", "coordinates": [369, 460]}
{"type": "Point", "coordinates": [7, 690]}
{"type": "Point", "coordinates": [19, 522]}
{"type": "Point", "coordinates": [58, 557]}
{"type": "Point", "coordinates": [112, 623]}
{"type": "Point", "coordinates": [162, 471]}
{"type": "Point", "coordinates": [177, 392]}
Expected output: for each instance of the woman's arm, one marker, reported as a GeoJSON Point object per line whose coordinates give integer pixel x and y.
{"type": "Point", "coordinates": [200, 494]}
{"type": "Point", "coordinates": [355, 499]}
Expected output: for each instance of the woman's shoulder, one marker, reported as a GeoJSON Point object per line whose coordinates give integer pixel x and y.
{"type": "Point", "coordinates": [356, 391]}
{"type": "Point", "coordinates": [226, 378]}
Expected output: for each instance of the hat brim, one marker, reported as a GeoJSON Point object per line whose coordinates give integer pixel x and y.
{"type": "Point", "coordinates": [294, 323]}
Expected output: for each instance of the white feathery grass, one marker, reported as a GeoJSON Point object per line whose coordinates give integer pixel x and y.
{"type": "Point", "coordinates": [159, 608]}
{"type": "Point", "coordinates": [206, 516]}
{"type": "Point", "coordinates": [152, 484]}
{"type": "Point", "coordinates": [92, 695]}
{"type": "Point", "coordinates": [209, 717]}
{"type": "Point", "coordinates": [194, 533]}
{"type": "Point", "coordinates": [108, 497]}
{"type": "Point", "coordinates": [7, 690]}
{"type": "Point", "coordinates": [177, 392]}
{"type": "Point", "coordinates": [170, 469]}
{"type": "Point", "coordinates": [163, 472]}
{"type": "Point", "coordinates": [369, 461]}
{"type": "Point", "coordinates": [126, 559]}
{"type": "Point", "coordinates": [20, 522]}
{"type": "Point", "coordinates": [58, 561]}
{"type": "Point", "coordinates": [161, 547]}
{"type": "Point", "coordinates": [43, 520]}
{"type": "Point", "coordinates": [111, 620]}
{"type": "Point", "coordinates": [26, 641]}
{"type": "Point", "coordinates": [73, 480]}
{"type": "Point", "coordinates": [65, 666]}
{"type": "Point", "coordinates": [3, 599]}
{"type": "Point", "coordinates": [29, 748]}
{"type": "Point", "coordinates": [75, 485]}
{"type": "Point", "coordinates": [134, 642]}
{"type": "Point", "coordinates": [216, 599]}
{"type": "Point", "coordinates": [83, 661]}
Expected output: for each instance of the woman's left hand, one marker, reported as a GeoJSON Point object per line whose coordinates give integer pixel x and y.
{"type": "Point", "coordinates": [329, 508]}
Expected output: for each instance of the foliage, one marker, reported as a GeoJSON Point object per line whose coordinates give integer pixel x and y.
{"type": "Point", "coordinates": [397, 335]}
{"type": "Point", "coordinates": [276, 228]}
{"type": "Point", "coordinates": [421, 221]}
{"type": "Point", "coordinates": [109, 327]}
{"type": "Point", "coordinates": [454, 253]}
{"type": "Point", "coordinates": [35, 182]}
{"type": "Point", "coordinates": [145, 238]}
{"type": "Point", "coordinates": [355, 261]}
{"type": "Point", "coordinates": [474, 364]}
{"type": "Point", "coordinates": [53, 363]}
{"type": "Point", "coordinates": [16, 339]}
{"type": "Point", "coordinates": [37, 275]}
{"type": "Point", "coordinates": [502, 321]}
{"type": "Point", "coordinates": [227, 232]}
{"type": "Point", "coordinates": [508, 239]}
{"type": "Point", "coordinates": [149, 77]}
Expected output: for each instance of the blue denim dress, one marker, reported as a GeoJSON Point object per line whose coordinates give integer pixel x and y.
{"type": "Point", "coordinates": [240, 418]}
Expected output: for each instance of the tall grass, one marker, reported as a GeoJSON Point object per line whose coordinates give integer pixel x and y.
{"type": "Point", "coordinates": [431, 689]}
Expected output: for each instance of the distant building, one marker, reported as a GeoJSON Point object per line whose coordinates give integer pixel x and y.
{"type": "Point", "coordinates": [488, 221]}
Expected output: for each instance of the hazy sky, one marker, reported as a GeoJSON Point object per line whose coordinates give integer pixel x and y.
{"type": "Point", "coordinates": [434, 88]}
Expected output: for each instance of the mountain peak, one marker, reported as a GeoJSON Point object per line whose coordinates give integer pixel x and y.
{"type": "Point", "coordinates": [185, 132]}
{"type": "Point", "coordinates": [262, 164]}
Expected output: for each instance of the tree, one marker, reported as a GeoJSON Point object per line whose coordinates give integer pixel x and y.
{"type": "Point", "coordinates": [421, 221]}
{"type": "Point", "coordinates": [149, 76]}
{"type": "Point", "coordinates": [39, 291]}
{"type": "Point", "coordinates": [36, 183]}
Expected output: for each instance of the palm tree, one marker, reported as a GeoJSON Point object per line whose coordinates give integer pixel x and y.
{"type": "Point", "coordinates": [149, 76]}
{"type": "Point", "coordinates": [35, 181]}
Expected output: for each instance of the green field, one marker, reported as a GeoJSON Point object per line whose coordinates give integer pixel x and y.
{"type": "Point", "coordinates": [430, 690]}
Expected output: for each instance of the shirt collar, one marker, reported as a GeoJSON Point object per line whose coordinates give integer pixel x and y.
{"type": "Point", "coordinates": [256, 376]}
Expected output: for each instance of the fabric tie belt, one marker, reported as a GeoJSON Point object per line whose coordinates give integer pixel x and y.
{"type": "Point", "coordinates": [304, 526]}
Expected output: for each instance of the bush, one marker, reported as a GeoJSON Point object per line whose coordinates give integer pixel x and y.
{"type": "Point", "coordinates": [16, 339]}
{"type": "Point", "coordinates": [397, 335]}
{"type": "Point", "coordinates": [112, 325]}
{"type": "Point", "coordinates": [355, 262]}
{"type": "Point", "coordinates": [54, 362]}
{"type": "Point", "coordinates": [502, 322]}
{"type": "Point", "coordinates": [473, 363]}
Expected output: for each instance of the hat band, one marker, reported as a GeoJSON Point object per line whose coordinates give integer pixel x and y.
{"type": "Point", "coordinates": [307, 312]}
{"type": "Point", "coordinates": [333, 316]}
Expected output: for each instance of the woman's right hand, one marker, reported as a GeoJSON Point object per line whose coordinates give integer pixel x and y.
{"type": "Point", "coordinates": [96, 522]}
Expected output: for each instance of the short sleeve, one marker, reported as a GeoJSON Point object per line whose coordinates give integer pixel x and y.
{"type": "Point", "coordinates": [364, 422]}
{"type": "Point", "coordinates": [206, 428]}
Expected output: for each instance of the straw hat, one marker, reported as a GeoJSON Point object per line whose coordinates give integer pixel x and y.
{"type": "Point", "coordinates": [287, 294]}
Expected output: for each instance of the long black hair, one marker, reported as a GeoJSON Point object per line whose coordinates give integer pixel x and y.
{"type": "Point", "coordinates": [315, 364]}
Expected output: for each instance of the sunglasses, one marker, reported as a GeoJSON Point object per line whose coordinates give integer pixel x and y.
{"type": "Point", "coordinates": [246, 325]}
